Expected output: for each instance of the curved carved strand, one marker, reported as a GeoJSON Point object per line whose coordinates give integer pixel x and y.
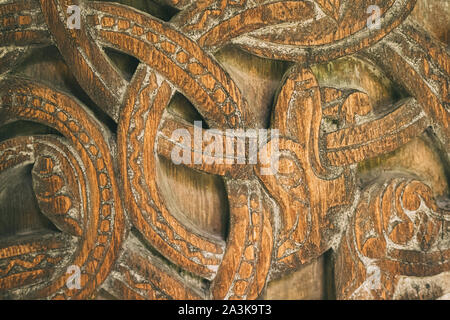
{"type": "Point", "coordinates": [213, 163]}
{"type": "Point", "coordinates": [245, 265]}
{"type": "Point", "coordinates": [345, 106]}
{"type": "Point", "coordinates": [57, 178]}
{"type": "Point", "coordinates": [21, 26]}
{"type": "Point", "coordinates": [93, 69]}
{"type": "Point", "coordinates": [57, 181]}
{"type": "Point", "coordinates": [104, 219]}
{"type": "Point", "coordinates": [225, 93]}
{"type": "Point", "coordinates": [357, 143]}
{"type": "Point", "coordinates": [397, 231]}
{"type": "Point", "coordinates": [9, 58]}
{"type": "Point", "coordinates": [354, 143]}
{"type": "Point", "coordinates": [235, 277]}
{"type": "Point", "coordinates": [421, 65]}
{"type": "Point", "coordinates": [254, 18]}
{"type": "Point", "coordinates": [310, 203]}
{"type": "Point", "coordinates": [357, 35]}
{"type": "Point", "coordinates": [304, 189]}
{"type": "Point", "coordinates": [144, 105]}
{"type": "Point", "coordinates": [28, 259]}
{"type": "Point", "coordinates": [95, 73]}
{"type": "Point", "coordinates": [139, 275]}
{"type": "Point", "coordinates": [15, 152]}
{"type": "Point", "coordinates": [177, 58]}
{"type": "Point", "coordinates": [277, 222]}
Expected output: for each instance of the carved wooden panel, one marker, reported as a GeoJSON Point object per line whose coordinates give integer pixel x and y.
{"type": "Point", "coordinates": [224, 149]}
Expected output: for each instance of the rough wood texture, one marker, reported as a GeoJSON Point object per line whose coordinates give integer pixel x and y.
{"type": "Point", "coordinates": [357, 208]}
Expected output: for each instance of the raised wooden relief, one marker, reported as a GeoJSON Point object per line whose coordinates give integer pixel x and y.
{"type": "Point", "coordinates": [224, 149]}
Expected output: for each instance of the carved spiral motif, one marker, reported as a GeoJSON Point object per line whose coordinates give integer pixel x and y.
{"type": "Point", "coordinates": [98, 188]}
{"type": "Point", "coordinates": [397, 230]}
{"type": "Point", "coordinates": [75, 185]}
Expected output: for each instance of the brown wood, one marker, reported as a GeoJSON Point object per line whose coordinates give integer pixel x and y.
{"type": "Point", "coordinates": [358, 207]}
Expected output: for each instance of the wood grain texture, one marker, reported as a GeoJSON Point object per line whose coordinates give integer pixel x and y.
{"type": "Point", "coordinates": [397, 231]}
{"type": "Point", "coordinates": [102, 204]}
{"type": "Point", "coordinates": [355, 205]}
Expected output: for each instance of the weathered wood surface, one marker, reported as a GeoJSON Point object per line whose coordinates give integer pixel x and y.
{"type": "Point", "coordinates": [358, 207]}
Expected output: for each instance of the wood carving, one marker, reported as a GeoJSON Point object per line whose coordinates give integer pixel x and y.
{"type": "Point", "coordinates": [295, 196]}
{"type": "Point", "coordinates": [397, 230]}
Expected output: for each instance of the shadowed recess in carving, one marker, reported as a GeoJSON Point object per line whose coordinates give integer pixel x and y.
{"type": "Point", "coordinates": [24, 128]}
{"type": "Point", "coordinates": [197, 197]}
{"type": "Point", "coordinates": [47, 65]}
{"type": "Point", "coordinates": [258, 78]}
{"type": "Point", "coordinates": [181, 107]}
{"type": "Point", "coordinates": [19, 211]}
{"type": "Point", "coordinates": [125, 63]}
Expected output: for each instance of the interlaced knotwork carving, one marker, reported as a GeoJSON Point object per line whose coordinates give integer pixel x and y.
{"type": "Point", "coordinates": [100, 189]}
